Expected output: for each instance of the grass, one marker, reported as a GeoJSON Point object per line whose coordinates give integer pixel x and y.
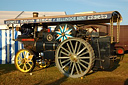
{"type": "Point", "coordinates": [118, 75]}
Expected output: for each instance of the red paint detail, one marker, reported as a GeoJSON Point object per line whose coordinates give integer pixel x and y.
{"type": "Point", "coordinates": [27, 39]}
{"type": "Point", "coordinates": [120, 51]}
{"type": "Point", "coordinates": [48, 30]}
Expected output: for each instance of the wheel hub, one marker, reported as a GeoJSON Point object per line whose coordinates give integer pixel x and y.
{"type": "Point", "coordinates": [23, 61]}
{"type": "Point", "coordinates": [73, 57]}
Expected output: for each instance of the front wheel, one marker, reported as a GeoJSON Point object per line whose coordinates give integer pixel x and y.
{"type": "Point", "coordinates": [24, 60]}
{"type": "Point", "coordinates": [74, 57]}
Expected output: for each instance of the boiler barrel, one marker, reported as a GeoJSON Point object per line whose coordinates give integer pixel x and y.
{"type": "Point", "coordinates": [43, 46]}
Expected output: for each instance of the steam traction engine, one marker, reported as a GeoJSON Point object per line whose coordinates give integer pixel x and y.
{"type": "Point", "coordinates": [75, 50]}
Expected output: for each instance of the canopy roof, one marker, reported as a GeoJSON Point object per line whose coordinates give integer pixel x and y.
{"type": "Point", "coordinates": [4, 15]}
{"type": "Point", "coordinates": [99, 17]}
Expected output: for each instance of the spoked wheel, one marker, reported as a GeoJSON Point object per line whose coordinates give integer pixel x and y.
{"type": "Point", "coordinates": [24, 60]}
{"type": "Point", "coordinates": [74, 57]}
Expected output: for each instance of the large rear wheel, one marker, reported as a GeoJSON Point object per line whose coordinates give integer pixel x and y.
{"type": "Point", "coordinates": [24, 60]}
{"type": "Point", "coordinates": [74, 57]}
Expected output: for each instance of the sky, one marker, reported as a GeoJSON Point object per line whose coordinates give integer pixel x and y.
{"type": "Point", "coordinates": [68, 6]}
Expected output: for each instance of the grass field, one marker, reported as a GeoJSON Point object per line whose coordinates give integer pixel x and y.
{"type": "Point", "coordinates": [118, 75]}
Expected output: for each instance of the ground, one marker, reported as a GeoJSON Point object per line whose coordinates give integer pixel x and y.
{"type": "Point", "coordinates": [118, 75]}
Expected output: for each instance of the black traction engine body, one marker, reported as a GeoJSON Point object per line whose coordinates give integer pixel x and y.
{"type": "Point", "coordinates": [46, 43]}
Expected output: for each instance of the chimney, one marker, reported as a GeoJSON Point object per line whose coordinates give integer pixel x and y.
{"type": "Point", "coordinates": [35, 14]}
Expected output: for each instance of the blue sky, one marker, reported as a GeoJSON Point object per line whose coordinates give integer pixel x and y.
{"type": "Point", "coordinates": [69, 6]}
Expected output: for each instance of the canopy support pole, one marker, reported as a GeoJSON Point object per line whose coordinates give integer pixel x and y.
{"type": "Point", "coordinates": [13, 32]}
{"type": "Point", "coordinates": [118, 30]}
{"type": "Point", "coordinates": [35, 30]}
{"type": "Point", "coordinates": [111, 29]}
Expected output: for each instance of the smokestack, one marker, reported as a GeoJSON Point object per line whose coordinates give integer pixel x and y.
{"type": "Point", "coordinates": [35, 14]}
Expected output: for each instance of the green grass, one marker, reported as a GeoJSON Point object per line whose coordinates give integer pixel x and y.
{"type": "Point", "coordinates": [118, 75]}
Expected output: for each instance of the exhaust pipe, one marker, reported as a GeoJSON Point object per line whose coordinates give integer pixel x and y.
{"type": "Point", "coordinates": [35, 14]}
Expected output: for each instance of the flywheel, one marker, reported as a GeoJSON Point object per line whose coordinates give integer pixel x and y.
{"type": "Point", "coordinates": [64, 31]}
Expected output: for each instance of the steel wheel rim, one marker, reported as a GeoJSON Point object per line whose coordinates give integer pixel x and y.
{"type": "Point", "coordinates": [22, 61]}
{"type": "Point", "coordinates": [74, 58]}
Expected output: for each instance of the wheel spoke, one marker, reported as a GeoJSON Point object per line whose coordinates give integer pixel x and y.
{"type": "Point", "coordinates": [84, 61]}
{"type": "Point", "coordinates": [24, 55]}
{"type": "Point", "coordinates": [83, 53]}
{"type": "Point", "coordinates": [20, 57]}
{"type": "Point", "coordinates": [65, 49]}
{"type": "Point", "coordinates": [18, 60]}
{"type": "Point", "coordinates": [30, 61]}
{"type": "Point", "coordinates": [64, 53]}
{"type": "Point", "coordinates": [79, 68]}
{"type": "Point", "coordinates": [81, 50]}
{"type": "Point", "coordinates": [84, 57]}
{"type": "Point", "coordinates": [65, 65]}
{"type": "Point", "coordinates": [76, 68]}
{"type": "Point", "coordinates": [69, 67]}
{"type": "Point", "coordinates": [72, 68]}
{"type": "Point", "coordinates": [83, 65]}
{"type": "Point", "coordinates": [25, 66]}
{"type": "Point", "coordinates": [20, 64]}
{"type": "Point", "coordinates": [29, 64]}
{"type": "Point", "coordinates": [63, 57]}
{"type": "Point", "coordinates": [68, 47]}
{"type": "Point", "coordinates": [72, 46]}
{"type": "Point", "coordinates": [76, 47]}
{"type": "Point", "coordinates": [65, 60]}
